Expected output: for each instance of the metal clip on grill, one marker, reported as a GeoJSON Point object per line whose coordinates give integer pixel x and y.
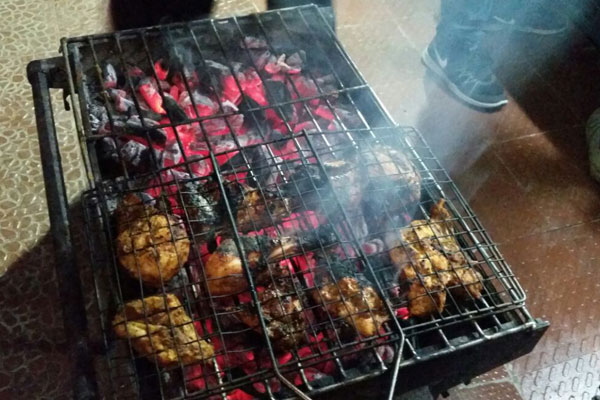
{"type": "Point", "coordinates": [259, 227]}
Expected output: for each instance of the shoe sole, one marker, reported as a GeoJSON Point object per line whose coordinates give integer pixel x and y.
{"type": "Point", "coordinates": [434, 67]}
{"type": "Point", "coordinates": [500, 25]}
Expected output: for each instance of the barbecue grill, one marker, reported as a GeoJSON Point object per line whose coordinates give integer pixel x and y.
{"type": "Point", "coordinates": [277, 134]}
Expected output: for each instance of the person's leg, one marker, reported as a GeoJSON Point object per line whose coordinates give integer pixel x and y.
{"type": "Point", "coordinates": [456, 54]}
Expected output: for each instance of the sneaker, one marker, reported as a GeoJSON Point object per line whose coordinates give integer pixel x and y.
{"type": "Point", "coordinates": [535, 18]}
{"type": "Point", "coordinates": [467, 73]}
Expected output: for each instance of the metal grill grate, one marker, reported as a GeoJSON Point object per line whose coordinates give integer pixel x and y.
{"type": "Point", "coordinates": [279, 183]}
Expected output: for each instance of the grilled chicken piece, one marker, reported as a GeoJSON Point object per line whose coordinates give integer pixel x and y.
{"type": "Point", "coordinates": [356, 302]}
{"type": "Point", "coordinates": [151, 246]}
{"type": "Point", "coordinates": [253, 209]}
{"type": "Point", "coordinates": [430, 261]}
{"type": "Point", "coordinates": [224, 269]}
{"type": "Point", "coordinates": [256, 210]}
{"type": "Point", "coordinates": [283, 317]}
{"type": "Point", "coordinates": [160, 330]}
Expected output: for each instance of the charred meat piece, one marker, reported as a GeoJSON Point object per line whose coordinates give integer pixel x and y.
{"type": "Point", "coordinates": [354, 300]}
{"type": "Point", "coordinates": [371, 185]}
{"type": "Point", "coordinates": [311, 184]}
{"type": "Point", "coordinates": [160, 330]}
{"type": "Point", "coordinates": [393, 185]}
{"type": "Point", "coordinates": [253, 209]}
{"type": "Point", "coordinates": [151, 245]}
{"type": "Point", "coordinates": [430, 262]}
{"type": "Point", "coordinates": [256, 209]}
{"type": "Point", "coordinates": [283, 317]}
{"type": "Point", "coordinates": [224, 269]}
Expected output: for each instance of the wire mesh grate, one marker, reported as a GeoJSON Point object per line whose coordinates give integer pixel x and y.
{"type": "Point", "coordinates": [258, 224]}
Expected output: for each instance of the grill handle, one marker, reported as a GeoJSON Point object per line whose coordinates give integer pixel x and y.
{"type": "Point", "coordinates": [44, 75]}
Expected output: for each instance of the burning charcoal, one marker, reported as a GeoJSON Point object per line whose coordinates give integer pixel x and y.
{"type": "Point", "coordinates": [204, 105]}
{"type": "Point", "coordinates": [109, 75]}
{"type": "Point", "coordinates": [122, 103]}
{"type": "Point", "coordinates": [138, 155]}
{"type": "Point", "coordinates": [133, 126]}
{"type": "Point", "coordinates": [217, 68]}
{"type": "Point", "coordinates": [147, 114]}
{"type": "Point", "coordinates": [349, 118]}
{"type": "Point", "coordinates": [273, 65]}
{"type": "Point", "coordinates": [296, 60]}
{"type": "Point", "coordinates": [252, 42]}
{"type": "Point", "coordinates": [279, 64]}
{"type": "Point", "coordinates": [260, 58]}
{"type": "Point", "coordinates": [327, 83]}
{"type": "Point", "coordinates": [150, 95]}
{"type": "Point", "coordinates": [164, 86]}
{"type": "Point", "coordinates": [162, 69]}
{"type": "Point", "coordinates": [135, 74]}
{"type": "Point", "coordinates": [98, 116]}
{"type": "Point", "coordinates": [257, 116]}
{"type": "Point", "coordinates": [108, 155]}
{"type": "Point", "coordinates": [279, 93]}
{"type": "Point", "coordinates": [175, 112]}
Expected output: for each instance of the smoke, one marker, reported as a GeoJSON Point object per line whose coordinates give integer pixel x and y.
{"type": "Point", "coordinates": [532, 63]}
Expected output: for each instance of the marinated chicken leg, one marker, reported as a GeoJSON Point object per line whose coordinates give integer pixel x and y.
{"type": "Point", "coordinates": [357, 303]}
{"type": "Point", "coordinates": [151, 245]}
{"type": "Point", "coordinates": [283, 317]}
{"type": "Point", "coordinates": [430, 262]}
{"type": "Point", "coordinates": [160, 330]}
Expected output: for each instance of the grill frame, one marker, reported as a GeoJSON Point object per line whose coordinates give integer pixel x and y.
{"type": "Point", "coordinates": [527, 323]}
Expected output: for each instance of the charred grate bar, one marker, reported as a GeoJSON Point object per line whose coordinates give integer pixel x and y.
{"type": "Point", "coordinates": [258, 226]}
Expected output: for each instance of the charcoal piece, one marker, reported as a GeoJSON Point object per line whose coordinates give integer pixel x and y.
{"type": "Point", "coordinates": [147, 114]}
{"type": "Point", "coordinates": [278, 93]}
{"type": "Point", "coordinates": [216, 67]}
{"type": "Point", "coordinates": [133, 126]}
{"type": "Point", "coordinates": [175, 112]}
{"type": "Point", "coordinates": [200, 206]}
{"type": "Point", "coordinates": [252, 42]}
{"type": "Point", "coordinates": [109, 76]}
{"type": "Point", "coordinates": [297, 59]}
{"type": "Point", "coordinates": [106, 148]}
{"type": "Point", "coordinates": [139, 156]}
{"type": "Point", "coordinates": [256, 118]}
{"type": "Point", "coordinates": [278, 139]}
{"type": "Point", "coordinates": [98, 116]}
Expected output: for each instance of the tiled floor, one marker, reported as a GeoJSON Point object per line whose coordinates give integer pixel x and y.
{"type": "Point", "coordinates": [523, 169]}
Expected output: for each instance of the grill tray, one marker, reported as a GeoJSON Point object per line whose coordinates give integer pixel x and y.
{"type": "Point", "coordinates": [403, 345]}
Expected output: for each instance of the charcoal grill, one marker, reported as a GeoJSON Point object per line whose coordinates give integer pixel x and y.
{"type": "Point", "coordinates": [465, 338]}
